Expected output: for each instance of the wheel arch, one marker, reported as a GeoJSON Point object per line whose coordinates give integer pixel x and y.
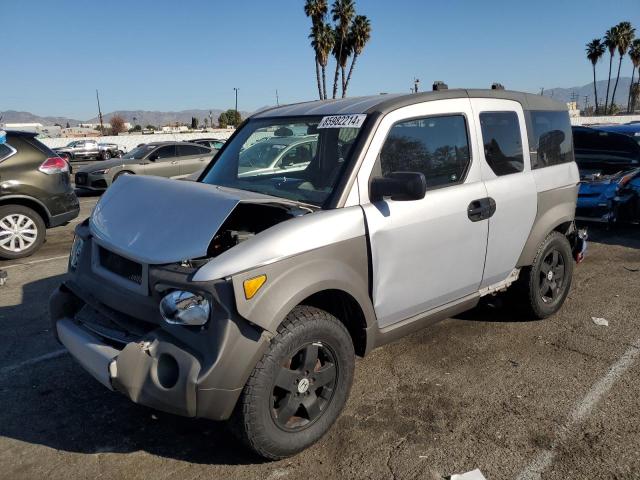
{"type": "Point", "coordinates": [334, 279]}
{"type": "Point", "coordinates": [29, 202]}
{"type": "Point", "coordinates": [556, 212]}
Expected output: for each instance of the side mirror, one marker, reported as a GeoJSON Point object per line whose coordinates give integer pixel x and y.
{"type": "Point", "coordinates": [153, 157]}
{"type": "Point", "coordinates": [398, 186]}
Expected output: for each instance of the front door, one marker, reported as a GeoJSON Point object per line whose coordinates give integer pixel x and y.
{"type": "Point", "coordinates": [430, 252]}
{"type": "Point", "coordinates": [164, 163]}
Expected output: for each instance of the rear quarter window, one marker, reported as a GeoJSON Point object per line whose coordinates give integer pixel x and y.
{"type": "Point", "coordinates": [550, 140]}
{"type": "Point", "coordinates": [5, 151]}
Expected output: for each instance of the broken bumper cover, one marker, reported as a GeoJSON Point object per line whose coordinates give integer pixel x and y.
{"type": "Point", "coordinates": [155, 371]}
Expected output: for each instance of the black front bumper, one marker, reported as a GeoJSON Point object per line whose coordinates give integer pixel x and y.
{"type": "Point", "coordinates": [118, 336]}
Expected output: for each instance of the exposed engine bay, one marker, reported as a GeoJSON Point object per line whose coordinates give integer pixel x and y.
{"type": "Point", "coordinates": [247, 220]}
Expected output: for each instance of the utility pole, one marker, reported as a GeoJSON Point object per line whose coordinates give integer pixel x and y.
{"type": "Point", "coordinates": [234, 120]}
{"type": "Point", "coordinates": [210, 119]}
{"type": "Point", "coordinates": [99, 113]}
{"type": "Point", "coordinates": [277, 100]}
{"type": "Point", "coordinates": [541, 91]}
{"type": "Point", "coordinates": [586, 101]}
{"type": "Point", "coordinates": [416, 84]}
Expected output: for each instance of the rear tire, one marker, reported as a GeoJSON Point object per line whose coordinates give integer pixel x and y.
{"type": "Point", "coordinates": [106, 155]}
{"type": "Point", "coordinates": [299, 387]}
{"type": "Point", "coordinates": [22, 231]}
{"type": "Point", "coordinates": [543, 287]}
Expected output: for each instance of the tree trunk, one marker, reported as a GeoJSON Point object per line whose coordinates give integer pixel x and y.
{"type": "Point", "coordinates": [613, 95]}
{"type": "Point", "coordinates": [633, 74]}
{"type": "Point", "coordinates": [318, 78]}
{"type": "Point", "coordinates": [324, 82]}
{"type": "Point", "coordinates": [335, 80]}
{"type": "Point", "coordinates": [344, 81]}
{"type": "Point", "coordinates": [353, 62]}
{"type": "Point", "coordinates": [606, 98]}
{"type": "Point", "coordinates": [595, 90]}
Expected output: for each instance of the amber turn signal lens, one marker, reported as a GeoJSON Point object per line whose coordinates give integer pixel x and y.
{"type": "Point", "coordinates": [252, 285]}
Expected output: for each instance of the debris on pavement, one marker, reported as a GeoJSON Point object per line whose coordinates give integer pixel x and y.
{"type": "Point", "coordinates": [472, 475]}
{"type": "Point", "coordinates": [3, 277]}
{"type": "Point", "coordinates": [602, 322]}
{"type": "Point", "coordinates": [629, 269]}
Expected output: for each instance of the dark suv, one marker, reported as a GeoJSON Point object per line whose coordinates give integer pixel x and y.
{"type": "Point", "coordinates": [35, 193]}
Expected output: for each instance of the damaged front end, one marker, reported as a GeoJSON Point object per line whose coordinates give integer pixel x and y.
{"type": "Point", "coordinates": [130, 311]}
{"type": "Point", "coordinates": [610, 198]}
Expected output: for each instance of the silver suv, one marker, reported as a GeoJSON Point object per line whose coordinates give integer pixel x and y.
{"type": "Point", "coordinates": [248, 297]}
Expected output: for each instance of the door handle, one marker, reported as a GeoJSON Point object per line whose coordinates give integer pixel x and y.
{"type": "Point", "coordinates": [175, 162]}
{"type": "Point", "coordinates": [481, 209]}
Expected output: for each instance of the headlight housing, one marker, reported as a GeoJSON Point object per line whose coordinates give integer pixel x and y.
{"type": "Point", "coordinates": [100, 172]}
{"type": "Point", "coordinates": [185, 308]}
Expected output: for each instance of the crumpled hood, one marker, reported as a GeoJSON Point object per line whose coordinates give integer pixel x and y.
{"type": "Point", "coordinates": [157, 221]}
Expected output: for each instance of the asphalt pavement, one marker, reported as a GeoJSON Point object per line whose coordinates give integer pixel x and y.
{"type": "Point", "coordinates": [553, 399]}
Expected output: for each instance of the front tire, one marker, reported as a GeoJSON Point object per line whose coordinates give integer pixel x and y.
{"type": "Point", "coordinates": [299, 387]}
{"type": "Point", "coordinates": [22, 231]}
{"type": "Point", "coordinates": [543, 287]}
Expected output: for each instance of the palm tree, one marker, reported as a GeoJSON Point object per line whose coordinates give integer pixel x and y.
{"type": "Point", "coordinates": [625, 35]}
{"type": "Point", "coordinates": [316, 10]}
{"type": "Point", "coordinates": [634, 55]}
{"type": "Point", "coordinates": [325, 40]}
{"type": "Point", "coordinates": [595, 51]}
{"type": "Point", "coordinates": [341, 52]}
{"type": "Point", "coordinates": [635, 92]}
{"type": "Point", "coordinates": [360, 35]}
{"type": "Point", "coordinates": [342, 13]}
{"type": "Point", "coordinates": [610, 43]}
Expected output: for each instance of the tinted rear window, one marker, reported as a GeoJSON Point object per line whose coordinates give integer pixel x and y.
{"type": "Point", "coordinates": [592, 141]}
{"type": "Point", "coordinates": [502, 142]}
{"type": "Point", "coordinates": [551, 139]}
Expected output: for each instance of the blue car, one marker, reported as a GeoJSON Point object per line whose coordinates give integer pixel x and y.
{"type": "Point", "coordinates": [609, 165]}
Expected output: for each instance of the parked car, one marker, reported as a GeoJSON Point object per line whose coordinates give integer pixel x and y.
{"type": "Point", "coordinates": [248, 296]}
{"type": "Point", "coordinates": [277, 155]}
{"type": "Point", "coordinates": [35, 193]}
{"type": "Point", "coordinates": [88, 149]}
{"type": "Point", "coordinates": [629, 129]}
{"type": "Point", "coordinates": [609, 166]}
{"type": "Point", "coordinates": [163, 159]}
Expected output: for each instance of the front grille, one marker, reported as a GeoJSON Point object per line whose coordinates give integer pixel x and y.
{"type": "Point", "coordinates": [121, 266]}
{"type": "Point", "coordinates": [81, 178]}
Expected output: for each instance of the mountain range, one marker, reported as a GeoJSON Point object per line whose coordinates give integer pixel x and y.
{"type": "Point", "coordinates": [158, 118]}
{"type": "Point", "coordinates": [578, 93]}
{"type": "Point", "coordinates": [143, 117]}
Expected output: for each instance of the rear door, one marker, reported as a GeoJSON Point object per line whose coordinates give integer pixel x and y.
{"type": "Point", "coordinates": [504, 153]}
{"type": "Point", "coordinates": [425, 253]}
{"type": "Point", "coordinates": [164, 163]}
{"type": "Point", "coordinates": [192, 158]}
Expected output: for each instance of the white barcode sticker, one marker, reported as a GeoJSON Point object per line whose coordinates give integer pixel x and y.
{"type": "Point", "coordinates": [342, 121]}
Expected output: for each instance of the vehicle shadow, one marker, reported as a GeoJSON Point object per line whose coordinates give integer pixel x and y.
{"type": "Point", "coordinates": [625, 235]}
{"type": "Point", "coordinates": [50, 400]}
{"type": "Point", "coordinates": [498, 308]}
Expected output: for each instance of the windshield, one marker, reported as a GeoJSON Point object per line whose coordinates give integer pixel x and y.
{"type": "Point", "coordinates": [139, 152]}
{"type": "Point", "coordinates": [300, 159]}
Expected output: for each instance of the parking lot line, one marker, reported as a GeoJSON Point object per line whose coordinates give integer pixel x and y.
{"type": "Point", "coordinates": [26, 264]}
{"type": "Point", "coordinates": [581, 410]}
{"type": "Point", "coordinates": [32, 361]}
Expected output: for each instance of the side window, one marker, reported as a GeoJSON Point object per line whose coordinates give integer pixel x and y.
{"type": "Point", "coordinates": [502, 142]}
{"type": "Point", "coordinates": [299, 154]}
{"type": "Point", "coordinates": [167, 151]}
{"type": "Point", "coordinates": [185, 150]}
{"type": "Point", "coordinates": [203, 150]}
{"type": "Point", "coordinates": [551, 140]}
{"type": "Point", "coordinates": [5, 151]}
{"type": "Point", "coordinates": [436, 146]}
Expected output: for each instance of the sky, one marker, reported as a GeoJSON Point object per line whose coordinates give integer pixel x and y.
{"type": "Point", "coordinates": [168, 55]}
